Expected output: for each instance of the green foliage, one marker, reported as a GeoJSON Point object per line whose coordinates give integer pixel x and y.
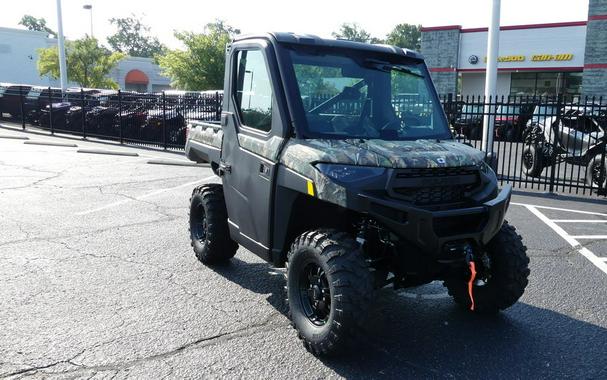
{"type": "Point", "coordinates": [132, 38]}
{"type": "Point", "coordinates": [311, 79]}
{"type": "Point", "coordinates": [404, 83]}
{"type": "Point", "coordinates": [88, 63]}
{"type": "Point", "coordinates": [353, 32]}
{"type": "Point", "coordinates": [405, 36]}
{"type": "Point", "coordinates": [201, 65]}
{"type": "Point", "coordinates": [37, 24]}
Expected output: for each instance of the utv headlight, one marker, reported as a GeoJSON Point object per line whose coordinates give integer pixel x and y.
{"type": "Point", "coordinates": [349, 173]}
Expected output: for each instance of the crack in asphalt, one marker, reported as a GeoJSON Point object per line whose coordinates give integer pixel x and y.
{"type": "Point", "coordinates": [565, 250]}
{"type": "Point", "coordinates": [35, 183]}
{"type": "Point", "coordinates": [90, 232]}
{"type": "Point", "coordinates": [270, 323]}
{"type": "Point", "coordinates": [54, 174]}
{"type": "Point", "coordinates": [34, 369]}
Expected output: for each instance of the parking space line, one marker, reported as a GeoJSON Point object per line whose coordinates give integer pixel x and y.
{"type": "Point", "coordinates": [594, 237]}
{"type": "Point", "coordinates": [597, 261]}
{"type": "Point", "coordinates": [559, 209]}
{"type": "Point", "coordinates": [579, 221]}
{"type": "Point", "coordinates": [114, 204]}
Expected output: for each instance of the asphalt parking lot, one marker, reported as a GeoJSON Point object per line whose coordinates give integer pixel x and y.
{"type": "Point", "coordinates": [97, 280]}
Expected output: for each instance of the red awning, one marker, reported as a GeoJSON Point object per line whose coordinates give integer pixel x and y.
{"type": "Point", "coordinates": [136, 77]}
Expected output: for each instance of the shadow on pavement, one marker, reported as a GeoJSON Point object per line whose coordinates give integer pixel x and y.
{"type": "Point", "coordinates": [417, 338]}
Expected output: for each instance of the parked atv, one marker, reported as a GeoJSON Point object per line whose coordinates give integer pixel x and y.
{"type": "Point", "coordinates": [37, 99]}
{"type": "Point", "coordinates": [352, 194]}
{"type": "Point", "coordinates": [577, 136]}
{"type": "Point", "coordinates": [469, 122]}
{"type": "Point", "coordinates": [100, 120]}
{"type": "Point", "coordinates": [165, 120]}
{"type": "Point", "coordinates": [65, 116]}
{"type": "Point", "coordinates": [11, 98]}
{"type": "Point", "coordinates": [510, 121]}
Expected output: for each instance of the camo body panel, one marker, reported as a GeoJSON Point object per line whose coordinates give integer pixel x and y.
{"type": "Point", "coordinates": [268, 149]}
{"type": "Point", "coordinates": [299, 155]}
{"type": "Point", "coordinates": [209, 134]}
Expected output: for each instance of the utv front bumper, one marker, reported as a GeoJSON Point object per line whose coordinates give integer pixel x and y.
{"type": "Point", "coordinates": [431, 230]}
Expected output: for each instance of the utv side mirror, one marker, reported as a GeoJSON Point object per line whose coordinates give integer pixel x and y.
{"type": "Point", "coordinates": [491, 160]}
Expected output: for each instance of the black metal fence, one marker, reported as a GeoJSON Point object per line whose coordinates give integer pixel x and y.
{"type": "Point", "coordinates": [550, 144]}
{"type": "Point", "coordinates": [553, 144]}
{"type": "Point", "coordinates": [148, 119]}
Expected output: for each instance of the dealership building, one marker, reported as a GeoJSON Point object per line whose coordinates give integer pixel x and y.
{"type": "Point", "coordinates": [568, 58]}
{"type": "Point", "coordinates": [19, 58]}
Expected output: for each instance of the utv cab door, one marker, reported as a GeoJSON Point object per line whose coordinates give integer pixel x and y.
{"type": "Point", "coordinates": [253, 130]}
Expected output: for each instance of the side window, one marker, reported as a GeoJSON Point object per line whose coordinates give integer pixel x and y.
{"type": "Point", "coordinates": [253, 90]}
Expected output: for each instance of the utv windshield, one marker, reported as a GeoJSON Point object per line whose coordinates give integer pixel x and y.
{"type": "Point", "coordinates": [360, 97]}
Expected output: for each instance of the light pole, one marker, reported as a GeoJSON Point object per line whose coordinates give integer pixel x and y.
{"type": "Point", "coordinates": [89, 7]}
{"type": "Point", "coordinates": [491, 77]}
{"type": "Point", "coordinates": [61, 46]}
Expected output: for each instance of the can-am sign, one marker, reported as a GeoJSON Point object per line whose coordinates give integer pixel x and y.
{"type": "Point", "coordinates": [533, 57]}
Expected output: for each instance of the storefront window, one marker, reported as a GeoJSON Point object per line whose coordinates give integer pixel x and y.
{"type": "Point", "coordinates": [573, 84]}
{"type": "Point", "coordinates": [546, 84]}
{"type": "Point", "coordinates": [523, 84]}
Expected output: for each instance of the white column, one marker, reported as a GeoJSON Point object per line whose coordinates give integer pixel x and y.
{"type": "Point", "coordinates": [491, 75]}
{"type": "Point", "coordinates": [61, 43]}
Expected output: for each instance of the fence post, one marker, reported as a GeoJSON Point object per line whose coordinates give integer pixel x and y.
{"type": "Point", "coordinates": [83, 112]}
{"type": "Point", "coordinates": [22, 108]}
{"type": "Point", "coordinates": [559, 105]}
{"type": "Point", "coordinates": [164, 121]}
{"type": "Point", "coordinates": [120, 132]}
{"type": "Point", "coordinates": [50, 110]}
{"type": "Point", "coordinates": [603, 169]}
{"type": "Point", "coordinates": [217, 106]}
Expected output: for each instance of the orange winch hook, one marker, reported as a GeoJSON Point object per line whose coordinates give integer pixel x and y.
{"type": "Point", "coordinates": [471, 283]}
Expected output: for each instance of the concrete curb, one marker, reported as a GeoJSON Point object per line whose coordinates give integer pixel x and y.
{"type": "Point", "coordinates": [14, 137]}
{"type": "Point", "coordinates": [177, 163]}
{"type": "Point", "coordinates": [50, 143]}
{"type": "Point", "coordinates": [108, 152]}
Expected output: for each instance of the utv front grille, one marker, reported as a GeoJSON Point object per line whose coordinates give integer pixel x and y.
{"type": "Point", "coordinates": [434, 186]}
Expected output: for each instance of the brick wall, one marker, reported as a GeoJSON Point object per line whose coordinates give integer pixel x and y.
{"type": "Point", "coordinates": [595, 58]}
{"type": "Point", "coordinates": [440, 47]}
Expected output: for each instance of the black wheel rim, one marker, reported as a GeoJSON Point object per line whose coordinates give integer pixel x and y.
{"type": "Point", "coordinates": [315, 294]}
{"type": "Point", "coordinates": [528, 159]}
{"type": "Point", "coordinates": [199, 224]}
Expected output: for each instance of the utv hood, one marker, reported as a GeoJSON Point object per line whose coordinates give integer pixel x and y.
{"type": "Point", "coordinates": [382, 153]}
{"type": "Point", "coordinates": [300, 156]}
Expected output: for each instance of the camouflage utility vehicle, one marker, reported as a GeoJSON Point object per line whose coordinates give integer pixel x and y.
{"type": "Point", "coordinates": [337, 162]}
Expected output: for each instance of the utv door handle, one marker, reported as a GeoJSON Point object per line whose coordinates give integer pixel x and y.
{"type": "Point", "coordinates": [264, 170]}
{"type": "Point", "coordinates": [224, 168]}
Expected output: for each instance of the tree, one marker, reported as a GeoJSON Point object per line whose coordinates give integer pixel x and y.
{"type": "Point", "coordinates": [354, 32]}
{"type": "Point", "coordinates": [201, 65]}
{"type": "Point", "coordinates": [37, 24]}
{"type": "Point", "coordinates": [405, 36]}
{"type": "Point", "coordinates": [88, 63]}
{"type": "Point", "coordinates": [132, 38]}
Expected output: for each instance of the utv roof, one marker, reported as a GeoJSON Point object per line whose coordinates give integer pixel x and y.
{"type": "Point", "coordinates": [312, 40]}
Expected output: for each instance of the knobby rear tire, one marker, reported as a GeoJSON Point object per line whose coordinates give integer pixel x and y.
{"type": "Point", "coordinates": [210, 238]}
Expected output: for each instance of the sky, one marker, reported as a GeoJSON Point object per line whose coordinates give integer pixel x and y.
{"type": "Point", "coordinates": [319, 17]}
